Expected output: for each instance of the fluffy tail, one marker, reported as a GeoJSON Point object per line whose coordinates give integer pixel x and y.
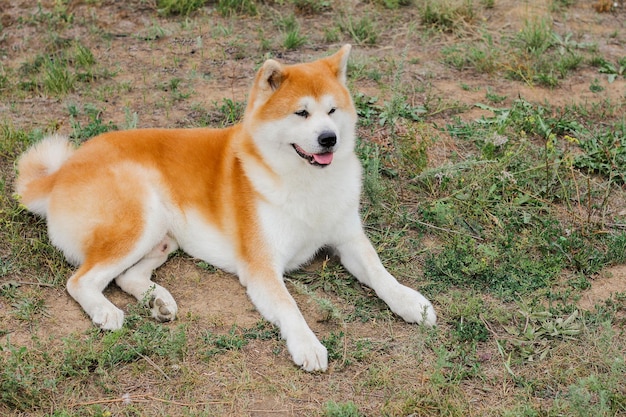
{"type": "Point", "coordinates": [36, 168]}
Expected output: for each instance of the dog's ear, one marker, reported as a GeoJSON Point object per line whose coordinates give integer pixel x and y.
{"type": "Point", "coordinates": [267, 80]}
{"type": "Point", "coordinates": [270, 76]}
{"type": "Point", "coordinates": [339, 62]}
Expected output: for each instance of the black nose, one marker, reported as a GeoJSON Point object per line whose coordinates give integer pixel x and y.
{"type": "Point", "coordinates": [327, 139]}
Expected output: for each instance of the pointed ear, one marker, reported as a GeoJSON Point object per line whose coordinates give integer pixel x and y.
{"type": "Point", "coordinates": [270, 76]}
{"type": "Point", "coordinates": [339, 62]}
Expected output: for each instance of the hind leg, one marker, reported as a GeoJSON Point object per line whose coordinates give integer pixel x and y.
{"type": "Point", "coordinates": [86, 287]}
{"type": "Point", "coordinates": [136, 281]}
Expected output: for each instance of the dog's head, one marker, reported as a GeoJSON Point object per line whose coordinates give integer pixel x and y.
{"type": "Point", "coordinates": [303, 113]}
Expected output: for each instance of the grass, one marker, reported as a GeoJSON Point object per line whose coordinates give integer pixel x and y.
{"type": "Point", "coordinates": [76, 357]}
{"type": "Point", "coordinates": [294, 40]}
{"type": "Point", "coordinates": [290, 27]}
{"type": "Point", "coordinates": [237, 339]}
{"type": "Point", "coordinates": [536, 54]}
{"type": "Point", "coordinates": [236, 7]}
{"type": "Point", "coordinates": [447, 15]}
{"type": "Point", "coordinates": [349, 409]}
{"type": "Point", "coordinates": [506, 211]}
{"type": "Point", "coordinates": [604, 153]}
{"type": "Point", "coordinates": [311, 7]}
{"type": "Point", "coordinates": [362, 31]}
{"type": "Point", "coordinates": [178, 7]}
{"type": "Point", "coordinates": [483, 56]}
{"type": "Point", "coordinates": [94, 126]}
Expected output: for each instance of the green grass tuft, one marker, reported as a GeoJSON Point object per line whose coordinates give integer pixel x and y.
{"type": "Point", "coordinates": [237, 7]}
{"type": "Point", "coordinates": [179, 7]}
{"type": "Point", "coordinates": [349, 409]}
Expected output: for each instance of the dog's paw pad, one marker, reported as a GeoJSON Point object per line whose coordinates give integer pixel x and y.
{"type": "Point", "coordinates": [162, 311]}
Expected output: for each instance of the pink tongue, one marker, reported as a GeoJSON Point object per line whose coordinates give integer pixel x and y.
{"type": "Point", "coordinates": [323, 158]}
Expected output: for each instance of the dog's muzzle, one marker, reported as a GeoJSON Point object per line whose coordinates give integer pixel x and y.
{"type": "Point", "coordinates": [319, 159]}
{"type": "Point", "coordinates": [327, 140]}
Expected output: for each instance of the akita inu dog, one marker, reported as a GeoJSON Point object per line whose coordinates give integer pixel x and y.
{"type": "Point", "coordinates": [255, 199]}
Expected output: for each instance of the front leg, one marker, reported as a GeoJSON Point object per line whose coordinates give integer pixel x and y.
{"type": "Point", "coordinates": [360, 258]}
{"type": "Point", "coordinates": [269, 294]}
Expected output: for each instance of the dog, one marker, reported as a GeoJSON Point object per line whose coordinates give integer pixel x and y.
{"type": "Point", "coordinates": [255, 199]}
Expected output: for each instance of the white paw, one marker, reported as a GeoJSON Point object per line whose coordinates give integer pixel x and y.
{"type": "Point", "coordinates": [308, 353]}
{"type": "Point", "coordinates": [162, 305]}
{"type": "Point", "coordinates": [413, 307]}
{"type": "Point", "coordinates": [108, 317]}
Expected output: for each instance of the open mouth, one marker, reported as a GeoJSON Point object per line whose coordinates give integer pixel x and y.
{"type": "Point", "coordinates": [318, 159]}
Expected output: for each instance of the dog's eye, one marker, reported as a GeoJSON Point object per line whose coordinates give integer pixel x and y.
{"type": "Point", "coordinates": [332, 111]}
{"type": "Point", "coordinates": [302, 113]}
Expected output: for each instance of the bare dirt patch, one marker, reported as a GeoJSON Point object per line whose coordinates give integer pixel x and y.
{"type": "Point", "coordinates": [605, 286]}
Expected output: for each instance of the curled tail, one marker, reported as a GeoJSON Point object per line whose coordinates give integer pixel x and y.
{"type": "Point", "coordinates": [36, 168]}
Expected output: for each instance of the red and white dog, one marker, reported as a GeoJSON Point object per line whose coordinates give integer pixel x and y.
{"type": "Point", "coordinates": [256, 199]}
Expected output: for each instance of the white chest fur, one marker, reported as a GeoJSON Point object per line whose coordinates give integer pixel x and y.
{"type": "Point", "coordinates": [305, 212]}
